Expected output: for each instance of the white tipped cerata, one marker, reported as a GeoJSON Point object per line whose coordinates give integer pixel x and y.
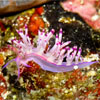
{"type": "Point", "coordinates": [50, 59]}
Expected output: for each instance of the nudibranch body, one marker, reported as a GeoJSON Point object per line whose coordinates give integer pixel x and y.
{"type": "Point", "coordinates": [50, 59]}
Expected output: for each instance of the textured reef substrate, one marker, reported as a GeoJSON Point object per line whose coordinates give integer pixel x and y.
{"type": "Point", "coordinates": [37, 84]}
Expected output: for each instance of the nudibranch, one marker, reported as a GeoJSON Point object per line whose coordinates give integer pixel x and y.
{"type": "Point", "coordinates": [49, 58]}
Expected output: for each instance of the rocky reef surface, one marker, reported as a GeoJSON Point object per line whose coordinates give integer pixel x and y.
{"type": "Point", "coordinates": [35, 83]}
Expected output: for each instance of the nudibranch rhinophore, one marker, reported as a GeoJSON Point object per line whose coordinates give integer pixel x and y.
{"type": "Point", "coordinates": [50, 59]}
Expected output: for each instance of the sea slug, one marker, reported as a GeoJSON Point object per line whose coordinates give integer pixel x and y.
{"type": "Point", "coordinates": [50, 59]}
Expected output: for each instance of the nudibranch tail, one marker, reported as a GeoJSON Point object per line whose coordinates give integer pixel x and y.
{"type": "Point", "coordinates": [52, 59]}
{"type": "Point", "coordinates": [46, 65]}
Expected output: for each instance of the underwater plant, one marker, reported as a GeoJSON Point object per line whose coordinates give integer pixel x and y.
{"type": "Point", "coordinates": [49, 58]}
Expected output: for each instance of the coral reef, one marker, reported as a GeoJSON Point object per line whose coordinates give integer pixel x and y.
{"type": "Point", "coordinates": [36, 83]}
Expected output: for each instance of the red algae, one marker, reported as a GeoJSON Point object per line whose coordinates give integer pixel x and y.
{"type": "Point", "coordinates": [1, 59]}
{"type": "Point", "coordinates": [21, 20]}
{"type": "Point", "coordinates": [2, 87]}
{"type": "Point", "coordinates": [28, 74]}
{"type": "Point", "coordinates": [2, 26]}
{"type": "Point", "coordinates": [40, 10]}
{"type": "Point", "coordinates": [32, 69]}
{"type": "Point", "coordinates": [87, 9]}
{"type": "Point", "coordinates": [97, 89]}
{"type": "Point", "coordinates": [76, 76]}
{"type": "Point", "coordinates": [36, 22]}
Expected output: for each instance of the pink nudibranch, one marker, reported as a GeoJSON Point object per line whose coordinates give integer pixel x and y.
{"type": "Point", "coordinates": [52, 59]}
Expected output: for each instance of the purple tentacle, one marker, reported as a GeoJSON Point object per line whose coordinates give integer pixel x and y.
{"type": "Point", "coordinates": [25, 64]}
{"type": "Point", "coordinates": [8, 63]}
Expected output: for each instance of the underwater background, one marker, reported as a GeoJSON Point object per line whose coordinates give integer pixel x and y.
{"type": "Point", "coordinates": [37, 31]}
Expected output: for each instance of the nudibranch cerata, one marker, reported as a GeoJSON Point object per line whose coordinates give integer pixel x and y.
{"type": "Point", "coordinates": [50, 59]}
